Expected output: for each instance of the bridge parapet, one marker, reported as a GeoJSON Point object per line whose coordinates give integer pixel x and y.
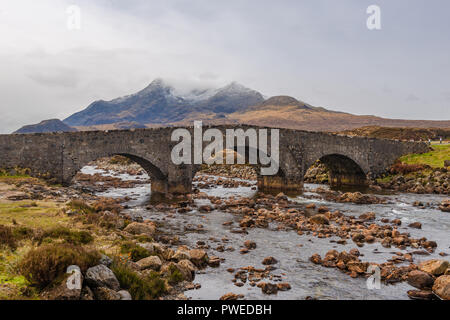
{"type": "Point", "coordinates": [60, 156]}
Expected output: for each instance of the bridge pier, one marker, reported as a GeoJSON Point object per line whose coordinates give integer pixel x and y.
{"type": "Point", "coordinates": [280, 184]}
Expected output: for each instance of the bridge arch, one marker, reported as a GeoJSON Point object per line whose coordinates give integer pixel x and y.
{"type": "Point", "coordinates": [157, 177]}
{"type": "Point", "coordinates": [343, 170]}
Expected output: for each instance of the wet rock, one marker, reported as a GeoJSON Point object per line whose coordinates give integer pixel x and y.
{"type": "Point", "coordinates": [181, 255]}
{"type": "Point", "coordinates": [268, 288]}
{"type": "Point", "coordinates": [415, 225]}
{"type": "Point", "coordinates": [152, 262]}
{"type": "Point", "coordinates": [269, 261]}
{"type": "Point", "coordinates": [316, 259]}
{"type": "Point", "coordinates": [231, 296]}
{"type": "Point", "coordinates": [367, 216]}
{"type": "Point", "coordinates": [434, 267]}
{"type": "Point", "coordinates": [319, 219]}
{"type": "Point", "coordinates": [284, 286]}
{"type": "Point", "coordinates": [138, 228]}
{"type": "Point", "coordinates": [441, 287]}
{"type": "Point", "coordinates": [102, 276]}
{"type": "Point", "coordinates": [249, 244]}
{"type": "Point", "coordinates": [420, 279]}
{"type": "Point", "coordinates": [199, 257]}
{"type": "Point", "coordinates": [445, 206]}
{"type": "Point", "coordinates": [421, 295]}
{"type": "Point", "coordinates": [187, 268]}
{"type": "Point", "coordinates": [214, 262]}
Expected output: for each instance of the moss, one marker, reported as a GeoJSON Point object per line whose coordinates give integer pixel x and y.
{"type": "Point", "coordinates": [135, 251]}
{"type": "Point", "coordinates": [140, 288]}
{"type": "Point", "coordinates": [70, 236]}
{"type": "Point", "coordinates": [175, 276]}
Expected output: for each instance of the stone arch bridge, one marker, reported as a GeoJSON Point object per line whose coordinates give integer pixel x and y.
{"type": "Point", "coordinates": [59, 156]}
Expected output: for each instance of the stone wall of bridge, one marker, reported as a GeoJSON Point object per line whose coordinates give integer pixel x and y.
{"type": "Point", "coordinates": [60, 156]}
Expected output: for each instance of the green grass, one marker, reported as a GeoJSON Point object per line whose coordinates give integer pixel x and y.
{"type": "Point", "coordinates": [434, 159]}
{"type": "Point", "coordinates": [26, 214]}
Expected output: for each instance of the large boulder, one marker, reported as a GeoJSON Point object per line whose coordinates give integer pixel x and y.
{"type": "Point", "coordinates": [199, 257]}
{"type": "Point", "coordinates": [441, 287]}
{"type": "Point", "coordinates": [140, 228]}
{"type": "Point", "coordinates": [102, 276]}
{"type": "Point", "coordinates": [319, 219]}
{"type": "Point", "coordinates": [420, 279]}
{"type": "Point", "coordinates": [434, 267]}
{"type": "Point", "coordinates": [181, 254]}
{"type": "Point", "coordinates": [187, 268]}
{"type": "Point", "coordinates": [152, 262]}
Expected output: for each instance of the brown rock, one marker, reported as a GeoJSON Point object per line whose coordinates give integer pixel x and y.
{"type": "Point", "coordinates": [152, 262]}
{"type": "Point", "coordinates": [268, 288]}
{"type": "Point", "coordinates": [421, 294]}
{"type": "Point", "coordinates": [415, 225]}
{"type": "Point", "coordinates": [434, 267]}
{"type": "Point", "coordinates": [250, 244]}
{"type": "Point", "coordinates": [140, 228]}
{"type": "Point", "coordinates": [269, 261]}
{"type": "Point", "coordinates": [441, 287]}
{"type": "Point", "coordinates": [319, 219]}
{"type": "Point", "coordinates": [199, 257]}
{"type": "Point", "coordinates": [420, 279]}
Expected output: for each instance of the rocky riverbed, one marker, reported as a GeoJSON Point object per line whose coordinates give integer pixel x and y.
{"type": "Point", "coordinates": [227, 241]}
{"type": "Point", "coordinates": [316, 246]}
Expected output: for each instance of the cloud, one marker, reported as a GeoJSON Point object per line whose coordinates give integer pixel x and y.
{"type": "Point", "coordinates": [317, 51]}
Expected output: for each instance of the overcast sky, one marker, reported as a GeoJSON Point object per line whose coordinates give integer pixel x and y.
{"type": "Point", "coordinates": [319, 51]}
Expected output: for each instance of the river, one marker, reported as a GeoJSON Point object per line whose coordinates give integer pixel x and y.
{"type": "Point", "coordinates": [291, 250]}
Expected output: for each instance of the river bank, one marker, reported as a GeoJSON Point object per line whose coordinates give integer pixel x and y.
{"type": "Point", "coordinates": [239, 243]}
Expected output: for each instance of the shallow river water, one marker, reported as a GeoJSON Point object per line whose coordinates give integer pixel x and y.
{"type": "Point", "coordinates": [291, 250]}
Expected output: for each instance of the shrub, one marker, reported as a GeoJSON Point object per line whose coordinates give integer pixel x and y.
{"type": "Point", "coordinates": [74, 237]}
{"type": "Point", "coordinates": [111, 205]}
{"type": "Point", "coordinates": [135, 251]}
{"type": "Point", "coordinates": [23, 232]}
{"type": "Point", "coordinates": [80, 206]}
{"type": "Point", "coordinates": [140, 288]}
{"type": "Point", "coordinates": [404, 168]}
{"type": "Point", "coordinates": [42, 265]}
{"type": "Point", "coordinates": [7, 237]}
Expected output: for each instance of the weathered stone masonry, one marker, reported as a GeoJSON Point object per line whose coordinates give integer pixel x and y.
{"type": "Point", "coordinates": [60, 156]}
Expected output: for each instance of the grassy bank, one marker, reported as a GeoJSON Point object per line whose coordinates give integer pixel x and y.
{"type": "Point", "coordinates": [434, 159]}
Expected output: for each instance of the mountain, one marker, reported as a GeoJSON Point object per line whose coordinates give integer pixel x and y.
{"type": "Point", "coordinates": [288, 112]}
{"type": "Point", "coordinates": [52, 125]}
{"type": "Point", "coordinates": [161, 103]}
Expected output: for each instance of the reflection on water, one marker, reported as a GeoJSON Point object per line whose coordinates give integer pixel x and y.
{"type": "Point", "coordinates": [291, 250]}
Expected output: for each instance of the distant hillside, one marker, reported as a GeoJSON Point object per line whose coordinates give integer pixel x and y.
{"type": "Point", "coordinates": [52, 125]}
{"type": "Point", "coordinates": [287, 112]}
{"type": "Point", "coordinates": [416, 134]}
{"type": "Point", "coordinates": [160, 103]}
